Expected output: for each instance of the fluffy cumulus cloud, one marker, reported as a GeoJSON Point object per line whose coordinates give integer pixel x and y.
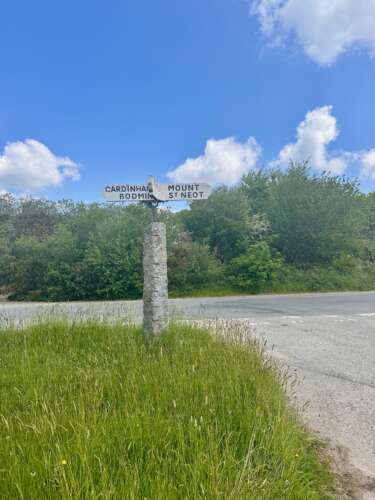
{"type": "Point", "coordinates": [367, 159]}
{"type": "Point", "coordinates": [314, 134]}
{"type": "Point", "coordinates": [30, 167]}
{"type": "Point", "coordinates": [224, 161]}
{"type": "Point", "coordinates": [325, 29]}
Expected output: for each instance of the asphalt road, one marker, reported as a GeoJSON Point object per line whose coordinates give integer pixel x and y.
{"type": "Point", "coordinates": [266, 306]}
{"type": "Point", "coordinates": [328, 340]}
{"type": "Point", "coordinates": [318, 304]}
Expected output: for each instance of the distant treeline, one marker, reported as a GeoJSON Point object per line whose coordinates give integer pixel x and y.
{"type": "Point", "coordinates": [279, 231]}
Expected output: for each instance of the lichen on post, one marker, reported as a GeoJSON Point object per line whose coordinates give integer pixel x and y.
{"type": "Point", "coordinates": [155, 288]}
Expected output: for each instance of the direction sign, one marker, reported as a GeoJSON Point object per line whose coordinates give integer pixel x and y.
{"type": "Point", "coordinates": [182, 192]}
{"type": "Point", "coordinates": [127, 192]}
{"type": "Point", "coordinates": [157, 192]}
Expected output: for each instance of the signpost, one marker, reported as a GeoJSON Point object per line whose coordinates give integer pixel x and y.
{"type": "Point", "coordinates": [152, 191]}
{"type": "Point", "coordinates": [127, 192]}
{"type": "Point", "coordinates": [155, 277]}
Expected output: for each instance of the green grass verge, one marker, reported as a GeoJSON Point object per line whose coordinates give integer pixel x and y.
{"type": "Point", "coordinates": [88, 411]}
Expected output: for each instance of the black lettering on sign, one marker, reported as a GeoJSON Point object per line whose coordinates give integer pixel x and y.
{"type": "Point", "coordinates": [171, 187]}
{"type": "Point", "coordinates": [118, 189]}
{"type": "Point", "coordinates": [201, 193]}
{"type": "Point", "coordinates": [183, 195]}
{"type": "Point", "coordinates": [127, 196]}
{"type": "Point", "coordinates": [107, 189]}
{"type": "Point", "coordinates": [121, 196]}
{"type": "Point", "coordinates": [195, 194]}
{"type": "Point", "coordinates": [170, 196]}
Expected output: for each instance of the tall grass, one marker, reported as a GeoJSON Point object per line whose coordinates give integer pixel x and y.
{"type": "Point", "coordinates": [88, 411]}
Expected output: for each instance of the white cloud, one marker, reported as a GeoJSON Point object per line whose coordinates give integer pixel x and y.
{"type": "Point", "coordinates": [325, 29]}
{"type": "Point", "coordinates": [314, 134]}
{"type": "Point", "coordinates": [368, 164]}
{"type": "Point", "coordinates": [224, 161]}
{"type": "Point", "coordinates": [30, 166]}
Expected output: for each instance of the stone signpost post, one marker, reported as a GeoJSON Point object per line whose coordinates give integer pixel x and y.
{"type": "Point", "coordinates": [155, 279]}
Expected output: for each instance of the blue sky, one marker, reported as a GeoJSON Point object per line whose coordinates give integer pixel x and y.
{"type": "Point", "coordinates": [109, 92]}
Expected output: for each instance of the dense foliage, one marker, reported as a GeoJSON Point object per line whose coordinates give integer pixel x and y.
{"type": "Point", "coordinates": [276, 231]}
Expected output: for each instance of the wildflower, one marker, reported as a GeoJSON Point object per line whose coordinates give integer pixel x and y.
{"type": "Point", "coordinates": [63, 462]}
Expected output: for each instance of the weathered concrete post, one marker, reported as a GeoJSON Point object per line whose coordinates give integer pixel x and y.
{"type": "Point", "coordinates": [155, 291]}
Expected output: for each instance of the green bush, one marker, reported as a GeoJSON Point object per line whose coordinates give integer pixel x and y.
{"type": "Point", "coordinates": [254, 271]}
{"type": "Point", "coordinates": [292, 278]}
{"type": "Point", "coordinates": [322, 226]}
{"type": "Point", "coordinates": [191, 268]}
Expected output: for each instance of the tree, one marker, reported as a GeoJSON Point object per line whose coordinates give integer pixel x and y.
{"type": "Point", "coordinates": [256, 186]}
{"type": "Point", "coordinates": [191, 267]}
{"type": "Point", "coordinates": [224, 223]}
{"type": "Point", "coordinates": [368, 227]}
{"type": "Point", "coordinates": [112, 264]}
{"type": "Point", "coordinates": [313, 218]}
{"type": "Point", "coordinates": [36, 217]}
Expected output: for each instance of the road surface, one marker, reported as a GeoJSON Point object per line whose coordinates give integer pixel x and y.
{"type": "Point", "coordinates": [327, 339]}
